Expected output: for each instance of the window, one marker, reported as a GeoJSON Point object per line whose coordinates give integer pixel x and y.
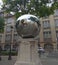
{"type": "Point", "coordinates": [47, 34]}
{"type": "Point", "coordinates": [9, 20]}
{"type": "Point", "coordinates": [8, 38]}
{"type": "Point", "coordinates": [56, 33]}
{"type": "Point", "coordinates": [7, 47]}
{"type": "Point", "coordinates": [15, 47]}
{"type": "Point", "coordinates": [56, 12]}
{"type": "Point", "coordinates": [46, 24]}
{"type": "Point", "coordinates": [8, 29]}
{"type": "Point", "coordinates": [1, 14]}
{"type": "Point", "coordinates": [56, 22]}
{"type": "Point", "coordinates": [15, 36]}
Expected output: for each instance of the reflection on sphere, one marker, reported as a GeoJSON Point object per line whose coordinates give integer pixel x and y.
{"type": "Point", "coordinates": [28, 26]}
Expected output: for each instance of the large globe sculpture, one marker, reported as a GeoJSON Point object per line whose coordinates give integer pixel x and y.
{"type": "Point", "coordinates": [28, 26]}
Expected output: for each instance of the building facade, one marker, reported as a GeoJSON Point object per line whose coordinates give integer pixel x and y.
{"type": "Point", "coordinates": [48, 37]}
{"type": "Point", "coordinates": [9, 35]}
{"type": "Point", "coordinates": [49, 32]}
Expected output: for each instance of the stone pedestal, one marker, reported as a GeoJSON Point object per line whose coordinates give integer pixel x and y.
{"type": "Point", "coordinates": [27, 53]}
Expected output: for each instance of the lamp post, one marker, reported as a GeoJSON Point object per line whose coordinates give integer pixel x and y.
{"type": "Point", "coordinates": [9, 58]}
{"type": "Point", "coordinates": [0, 46]}
{"type": "Point", "coordinates": [0, 52]}
{"type": "Point", "coordinates": [56, 43]}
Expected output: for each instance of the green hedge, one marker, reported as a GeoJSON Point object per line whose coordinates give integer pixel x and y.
{"type": "Point", "coordinates": [13, 53]}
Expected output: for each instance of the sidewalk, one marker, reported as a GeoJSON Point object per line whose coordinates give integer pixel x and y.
{"type": "Point", "coordinates": [5, 60]}
{"type": "Point", "coordinates": [44, 60]}
{"type": "Point", "coordinates": [48, 60]}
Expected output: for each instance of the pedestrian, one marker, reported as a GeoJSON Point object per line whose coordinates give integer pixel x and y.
{"type": "Point", "coordinates": [39, 53]}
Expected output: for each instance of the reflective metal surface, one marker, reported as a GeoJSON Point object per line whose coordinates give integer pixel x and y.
{"type": "Point", "coordinates": [28, 26]}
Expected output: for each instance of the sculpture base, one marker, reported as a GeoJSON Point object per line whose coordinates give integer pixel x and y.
{"type": "Point", "coordinates": [27, 53]}
{"type": "Point", "coordinates": [26, 63]}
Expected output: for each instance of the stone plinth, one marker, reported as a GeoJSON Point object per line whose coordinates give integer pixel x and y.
{"type": "Point", "coordinates": [27, 53]}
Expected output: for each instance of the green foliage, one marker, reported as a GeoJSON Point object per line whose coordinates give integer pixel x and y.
{"type": "Point", "coordinates": [35, 7]}
{"type": "Point", "coordinates": [45, 11]}
{"type": "Point", "coordinates": [55, 5]}
{"type": "Point", "coordinates": [17, 14]}
{"type": "Point", "coordinates": [13, 53]}
{"type": "Point", "coordinates": [2, 24]}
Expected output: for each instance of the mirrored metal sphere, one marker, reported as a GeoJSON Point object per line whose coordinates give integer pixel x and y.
{"type": "Point", "coordinates": [28, 26]}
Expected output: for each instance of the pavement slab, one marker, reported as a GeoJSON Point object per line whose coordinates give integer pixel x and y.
{"type": "Point", "coordinates": [44, 60]}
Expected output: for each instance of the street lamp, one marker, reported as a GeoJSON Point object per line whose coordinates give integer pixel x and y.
{"type": "Point", "coordinates": [0, 46]}
{"type": "Point", "coordinates": [56, 44]}
{"type": "Point", "coordinates": [9, 58]}
{"type": "Point", "coordinates": [0, 52]}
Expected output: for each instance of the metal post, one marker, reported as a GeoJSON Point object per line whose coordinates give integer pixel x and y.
{"type": "Point", "coordinates": [0, 58]}
{"type": "Point", "coordinates": [9, 58]}
{"type": "Point", "coordinates": [0, 52]}
{"type": "Point", "coordinates": [56, 45]}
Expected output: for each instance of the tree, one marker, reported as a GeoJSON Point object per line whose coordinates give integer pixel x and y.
{"type": "Point", "coordinates": [2, 24]}
{"type": "Point", "coordinates": [36, 7]}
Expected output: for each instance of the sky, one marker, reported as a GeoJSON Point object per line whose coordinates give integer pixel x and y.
{"type": "Point", "coordinates": [1, 3]}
